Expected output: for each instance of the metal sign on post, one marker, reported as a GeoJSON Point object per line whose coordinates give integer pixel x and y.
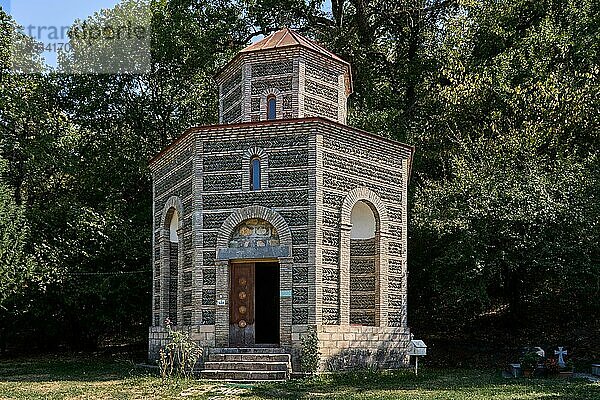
{"type": "Point", "coordinates": [417, 348]}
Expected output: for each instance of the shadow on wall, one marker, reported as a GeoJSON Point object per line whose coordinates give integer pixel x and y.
{"type": "Point", "coordinates": [387, 356]}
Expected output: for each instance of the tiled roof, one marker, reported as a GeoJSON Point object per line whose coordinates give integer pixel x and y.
{"type": "Point", "coordinates": [288, 38]}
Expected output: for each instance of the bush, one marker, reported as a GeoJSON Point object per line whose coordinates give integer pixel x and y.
{"type": "Point", "coordinates": [530, 361]}
{"type": "Point", "coordinates": [179, 357]}
{"type": "Point", "coordinates": [552, 366]}
{"type": "Point", "coordinates": [311, 356]}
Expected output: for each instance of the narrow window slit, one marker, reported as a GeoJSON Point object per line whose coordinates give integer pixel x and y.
{"type": "Point", "coordinates": [271, 108]}
{"type": "Point", "coordinates": [255, 171]}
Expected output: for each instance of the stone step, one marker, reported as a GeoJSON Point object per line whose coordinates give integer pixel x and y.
{"type": "Point", "coordinates": [215, 357]}
{"type": "Point", "coordinates": [245, 376]}
{"type": "Point", "coordinates": [246, 366]}
{"type": "Point", "coordinates": [249, 350]}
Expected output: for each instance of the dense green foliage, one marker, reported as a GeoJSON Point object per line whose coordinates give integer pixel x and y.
{"type": "Point", "coordinates": [500, 99]}
{"type": "Point", "coordinates": [509, 232]}
{"type": "Point", "coordinates": [15, 264]}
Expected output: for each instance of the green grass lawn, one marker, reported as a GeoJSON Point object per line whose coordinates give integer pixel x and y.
{"type": "Point", "coordinates": [87, 377]}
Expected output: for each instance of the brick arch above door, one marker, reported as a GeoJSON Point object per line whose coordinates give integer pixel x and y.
{"type": "Point", "coordinates": [283, 249]}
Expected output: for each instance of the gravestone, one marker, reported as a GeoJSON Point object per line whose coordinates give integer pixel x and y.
{"type": "Point", "coordinates": [515, 370]}
{"type": "Point", "coordinates": [561, 353]}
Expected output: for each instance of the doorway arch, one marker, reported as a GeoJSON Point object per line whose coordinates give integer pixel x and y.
{"type": "Point", "coordinates": [254, 235]}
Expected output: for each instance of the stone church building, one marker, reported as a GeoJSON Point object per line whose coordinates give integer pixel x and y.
{"type": "Point", "coordinates": [283, 218]}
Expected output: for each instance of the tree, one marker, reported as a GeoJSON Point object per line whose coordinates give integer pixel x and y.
{"type": "Point", "coordinates": [510, 230]}
{"type": "Point", "coordinates": [16, 266]}
{"type": "Point", "coordinates": [98, 221]}
{"type": "Point", "coordinates": [511, 220]}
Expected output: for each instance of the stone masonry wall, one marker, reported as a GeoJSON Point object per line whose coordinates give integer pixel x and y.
{"type": "Point", "coordinates": [324, 88]}
{"type": "Point", "coordinates": [171, 293]}
{"type": "Point", "coordinates": [363, 282]}
{"type": "Point", "coordinates": [305, 84]}
{"type": "Point", "coordinates": [286, 154]}
{"type": "Point", "coordinates": [352, 160]}
{"type": "Point", "coordinates": [361, 347]}
{"type": "Point", "coordinates": [310, 166]}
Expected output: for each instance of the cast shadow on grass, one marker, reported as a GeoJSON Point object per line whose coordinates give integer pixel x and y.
{"type": "Point", "coordinates": [60, 369]}
{"type": "Point", "coordinates": [485, 384]}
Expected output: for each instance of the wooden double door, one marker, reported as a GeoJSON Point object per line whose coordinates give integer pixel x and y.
{"type": "Point", "coordinates": [254, 304]}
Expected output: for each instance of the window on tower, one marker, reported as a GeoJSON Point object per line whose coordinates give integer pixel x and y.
{"type": "Point", "coordinates": [255, 170]}
{"type": "Point", "coordinates": [271, 108]}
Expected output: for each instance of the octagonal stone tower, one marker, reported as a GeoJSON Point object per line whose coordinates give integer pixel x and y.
{"type": "Point", "coordinates": [282, 218]}
{"type": "Point", "coordinates": [305, 80]}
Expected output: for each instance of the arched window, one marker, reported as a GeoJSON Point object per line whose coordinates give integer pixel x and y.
{"type": "Point", "coordinates": [364, 268]}
{"type": "Point", "coordinates": [172, 279]}
{"type": "Point", "coordinates": [173, 226]}
{"type": "Point", "coordinates": [271, 108]}
{"type": "Point", "coordinates": [364, 223]}
{"type": "Point", "coordinates": [255, 171]}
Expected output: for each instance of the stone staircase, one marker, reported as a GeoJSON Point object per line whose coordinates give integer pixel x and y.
{"type": "Point", "coordinates": [247, 364]}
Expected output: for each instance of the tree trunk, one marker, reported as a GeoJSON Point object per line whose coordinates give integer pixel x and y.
{"type": "Point", "coordinates": [512, 293]}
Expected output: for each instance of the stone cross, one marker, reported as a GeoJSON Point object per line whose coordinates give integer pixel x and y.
{"type": "Point", "coordinates": [560, 353]}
